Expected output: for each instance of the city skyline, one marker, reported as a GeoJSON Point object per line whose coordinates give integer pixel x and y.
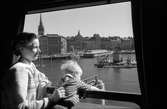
{"type": "Point", "coordinates": [105, 20]}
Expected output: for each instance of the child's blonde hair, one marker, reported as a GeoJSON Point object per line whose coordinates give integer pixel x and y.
{"type": "Point", "coordinates": [71, 67]}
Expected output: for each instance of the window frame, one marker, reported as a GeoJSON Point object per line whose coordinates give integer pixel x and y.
{"type": "Point", "coordinates": [54, 5]}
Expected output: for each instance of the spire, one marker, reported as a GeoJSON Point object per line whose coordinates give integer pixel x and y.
{"type": "Point", "coordinates": [40, 27]}
{"type": "Point", "coordinates": [79, 34]}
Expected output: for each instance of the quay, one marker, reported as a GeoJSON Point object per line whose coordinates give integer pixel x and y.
{"type": "Point", "coordinates": [87, 54]}
{"type": "Point", "coordinates": [56, 56]}
{"type": "Point", "coordinates": [95, 53]}
{"type": "Point", "coordinates": [127, 52]}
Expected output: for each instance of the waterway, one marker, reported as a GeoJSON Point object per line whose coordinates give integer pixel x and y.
{"type": "Point", "coordinates": [115, 79]}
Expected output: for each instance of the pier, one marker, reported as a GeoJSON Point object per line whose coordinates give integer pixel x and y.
{"type": "Point", "coordinates": [95, 53]}
{"type": "Point", "coordinates": [56, 56]}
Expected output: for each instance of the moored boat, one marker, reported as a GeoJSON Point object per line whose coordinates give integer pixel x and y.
{"type": "Point", "coordinates": [116, 61]}
{"type": "Point", "coordinates": [112, 65]}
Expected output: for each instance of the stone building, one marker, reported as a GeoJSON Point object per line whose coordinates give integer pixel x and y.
{"type": "Point", "coordinates": [51, 44]}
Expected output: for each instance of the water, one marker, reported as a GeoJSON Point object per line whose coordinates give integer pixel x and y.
{"type": "Point", "coordinates": [115, 79]}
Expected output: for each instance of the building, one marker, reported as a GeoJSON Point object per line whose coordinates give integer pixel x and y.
{"type": "Point", "coordinates": [76, 42]}
{"type": "Point", "coordinates": [94, 42]}
{"type": "Point", "coordinates": [44, 45]}
{"type": "Point", "coordinates": [127, 43]}
{"type": "Point", "coordinates": [52, 44]}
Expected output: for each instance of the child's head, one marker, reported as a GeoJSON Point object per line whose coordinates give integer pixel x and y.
{"type": "Point", "coordinates": [73, 68]}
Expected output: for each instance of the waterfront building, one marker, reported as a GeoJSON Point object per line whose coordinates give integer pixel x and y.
{"type": "Point", "coordinates": [44, 45]}
{"type": "Point", "coordinates": [95, 42]}
{"type": "Point", "coordinates": [77, 42]}
{"type": "Point", "coordinates": [127, 43]}
{"type": "Point", "coordinates": [106, 44]}
{"type": "Point", "coordinates": [52, 44]}
{"type": "Point", "coordinates": [115, 43]}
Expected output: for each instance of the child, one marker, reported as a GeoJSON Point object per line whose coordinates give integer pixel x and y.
{"type": "Point", "coordinates": [72, 79]}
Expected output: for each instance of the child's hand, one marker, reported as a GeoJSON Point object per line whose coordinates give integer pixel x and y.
{"type": "Point", "coordinates": [73, 99]}
{"type": "Point", "coordinates": [58, 94]}
{"type": "Point", "coordinates": [100, 85]}
{"type": "Point", "coordinates": [69, 102]}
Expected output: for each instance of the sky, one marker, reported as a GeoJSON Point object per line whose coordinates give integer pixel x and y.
{"type": "Point", "coordinates": [105, 20]}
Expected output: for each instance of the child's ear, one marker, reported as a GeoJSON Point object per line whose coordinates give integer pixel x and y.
{"type": "Point", "coordinates": [20, 49]}
{"type": "Point", "coordinates": [66, 79]}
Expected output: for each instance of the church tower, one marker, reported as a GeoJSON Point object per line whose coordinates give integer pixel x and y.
{"type": "Point", "coordinates": [40, 27]}
{"type": "Point", "coordinates": [79, 34]}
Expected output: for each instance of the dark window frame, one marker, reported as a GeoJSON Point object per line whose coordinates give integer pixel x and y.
{"type": "Point", "coordinates": [49, 5]}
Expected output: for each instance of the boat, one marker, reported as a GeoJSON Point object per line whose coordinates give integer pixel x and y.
{"type": "Point", "coordinates": [113, 65]}
{"type": "Point", "coordinates": [116, 61]}
{"type": "Point", "coordinates": [95, 53]}
{"type": "Point", "coordinates": [121, 66]}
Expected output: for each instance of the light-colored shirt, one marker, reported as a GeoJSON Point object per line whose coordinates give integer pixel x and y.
{"type": "Point", "coordinates": [25, 87]}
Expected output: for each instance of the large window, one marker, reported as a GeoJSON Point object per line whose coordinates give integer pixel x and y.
{"type": "Point", "coordinates": [102, 36]}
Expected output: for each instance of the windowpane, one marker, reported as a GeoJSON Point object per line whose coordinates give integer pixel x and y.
{"type": "Point", "coordinates": [102, 38]}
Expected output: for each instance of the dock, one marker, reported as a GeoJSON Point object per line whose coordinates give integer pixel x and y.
{"type": "Point", "coordinates": [95, 53]}
{"type": "Point", "coordinates": [57, 56]}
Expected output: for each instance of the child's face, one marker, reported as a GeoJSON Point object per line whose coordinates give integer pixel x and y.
{"type": "Point", "coordinates": [78, 76]}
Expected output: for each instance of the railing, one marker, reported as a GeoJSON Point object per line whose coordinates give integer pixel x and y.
{"type": "Point", "coordinates": [109, 95]}
{"type": "Point", "coordinates": [106, 95]}
{"type": "Point", "coordinates": [90, 79]}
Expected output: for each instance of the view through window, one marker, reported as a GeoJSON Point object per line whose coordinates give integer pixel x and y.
{"type": "Point", "coordinates": [100, 37]}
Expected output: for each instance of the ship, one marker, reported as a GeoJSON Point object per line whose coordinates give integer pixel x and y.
{"type": "Point", "coordinates": [115, 61]}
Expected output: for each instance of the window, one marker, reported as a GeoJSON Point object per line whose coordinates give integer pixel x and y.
{"type": "Point", "coordinates": [104, 30]}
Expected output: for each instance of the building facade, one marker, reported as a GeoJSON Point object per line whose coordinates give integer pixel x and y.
{"type": "Point", "coordinates": [52, 44]}
{"type": "Point", "coordinates": [44, 45]}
